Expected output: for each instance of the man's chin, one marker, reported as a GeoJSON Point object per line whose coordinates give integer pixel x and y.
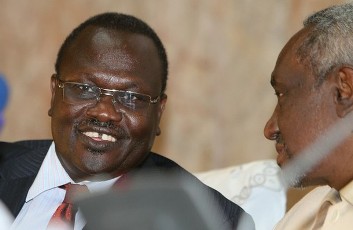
{"type": "Point", "coordinates": [96, 163]}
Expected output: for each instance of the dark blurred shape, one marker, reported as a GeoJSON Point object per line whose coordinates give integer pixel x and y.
{"type": "Point", "coordinates": [152, 201]}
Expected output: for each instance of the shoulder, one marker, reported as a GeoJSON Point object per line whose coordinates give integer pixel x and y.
{"type": "Point", "coordinates": [157, 160]}
{"type": "Point", "coordinates": [18, 158]}
{"type": "Point", "coordinates": [11, 150]}
{"type": "Point", "coordinates": [158, 163]}
{"type": "Point", "coordinates": [28, 144]}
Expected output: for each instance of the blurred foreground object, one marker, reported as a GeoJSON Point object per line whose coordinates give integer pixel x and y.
{"type": "Point", "coordinates": [154, 202]}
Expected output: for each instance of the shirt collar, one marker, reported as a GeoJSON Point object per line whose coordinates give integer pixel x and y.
{"type": "Point", "coordinates": [52, 174]}
{"type": "Point", "coordinates": [332, 196]}
{"type": "Point", "coordinates": [347, 192]}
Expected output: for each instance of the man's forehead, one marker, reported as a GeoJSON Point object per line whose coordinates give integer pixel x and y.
{"type": "Point", "coordinates": [288, 55]}
{"type": "Point", "coordinates": [96, 43]}
{"type": "Point", "coordinates": [101, 35]}
{"type": "Point", "coordinates": [104, 36]}
{"type": "Point", "coordinates": [294, 43]}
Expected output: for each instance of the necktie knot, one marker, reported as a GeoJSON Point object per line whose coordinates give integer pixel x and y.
{"type": "Point", "coordinates": [72, 191]}
{"type": "Point", "coordinates": [65, 213]}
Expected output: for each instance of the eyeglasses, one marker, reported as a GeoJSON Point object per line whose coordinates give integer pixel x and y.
{"type": "Point", "coordinates": [78, 93]}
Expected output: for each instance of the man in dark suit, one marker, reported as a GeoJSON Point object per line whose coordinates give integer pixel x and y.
{"type": "Point", "coordinates": [108, 96]}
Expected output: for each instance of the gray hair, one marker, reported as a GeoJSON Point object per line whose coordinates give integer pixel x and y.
{"type": "Point", "coordinates": [330, 41]}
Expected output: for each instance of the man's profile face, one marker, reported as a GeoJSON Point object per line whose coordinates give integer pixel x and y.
{"type": "Point", "coordinates": [104, 138]}
{"type": "Point", "coordinates": [303, 111]}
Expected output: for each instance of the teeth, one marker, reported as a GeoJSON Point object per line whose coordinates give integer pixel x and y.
{"type": "Point", "coordinates": [106, 137]}
{"type": "Point", "coordinates": [103, 136]}
{"type": "Point", "coordinates": [91, 134]}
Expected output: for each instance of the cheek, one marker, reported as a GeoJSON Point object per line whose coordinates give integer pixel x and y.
{"type": "Point", "coordinates": [63, 122]}
{"type": "Point", "coordinates": [302, 123]}
{"type": "Point", "coordinates": [143, 130]}
{"type": "Point", "coordinates": [297, 125]}
{"type": "Point", "coordinates": [65, 115]}
{"type": "Point", "coordinates": [143, 127]}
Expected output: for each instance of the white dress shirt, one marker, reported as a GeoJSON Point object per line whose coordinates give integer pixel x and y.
{"type": "Point", "coordinates": [44, 196]}
{"type": "Point", "coordinates": [339, 215]}
{"type": "Point", "coordinates": [6, 218]}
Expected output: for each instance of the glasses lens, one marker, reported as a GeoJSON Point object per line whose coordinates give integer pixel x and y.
{"type": "Point", "coordinates": [76, 93]}
{"type": "Point", "coordinates": [132, 100]}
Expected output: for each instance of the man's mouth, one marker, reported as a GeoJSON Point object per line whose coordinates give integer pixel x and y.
{"type": "Point", "coordinates": [100, 136]}
{"type": "Point", "coordinates": [283, 154]}
{"type": "Point", "coordinates": [280, 148]}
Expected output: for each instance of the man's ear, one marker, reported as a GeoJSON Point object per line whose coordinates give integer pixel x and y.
{"type": "Point", "coordinates": [52, 88]}
{"type": "Point", "coordinates": [162, 104]}
{"type": "Point", "coordinates": [344, 96]}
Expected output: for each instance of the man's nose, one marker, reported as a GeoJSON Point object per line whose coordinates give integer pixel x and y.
{"type": "Point", "coordinates": [271, 129]}
{"type": "Point", "coordinates": [105, 109]}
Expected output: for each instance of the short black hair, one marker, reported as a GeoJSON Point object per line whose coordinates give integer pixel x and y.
{"type": "Point", "coordinates": [120, 22]}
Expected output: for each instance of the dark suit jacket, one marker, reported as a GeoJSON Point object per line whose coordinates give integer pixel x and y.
{"type": "Point", "coordinates": [20, 163]}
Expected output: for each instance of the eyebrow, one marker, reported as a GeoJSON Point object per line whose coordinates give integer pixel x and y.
{"type": "Point", "coordinates": [126, 84]}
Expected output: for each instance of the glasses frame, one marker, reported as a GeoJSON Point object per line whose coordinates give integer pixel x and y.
{"type": "Point", "coordinates": [106, 92]}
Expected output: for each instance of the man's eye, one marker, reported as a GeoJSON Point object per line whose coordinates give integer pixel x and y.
{"type": "Point", "coordinates": [85, 88]}
{"type": "Point", "coordinates": [129, 97]}
{"type": "Point", "coordinates": [84, 91]}
{"type": "Point", "coordinates": [132, 97]}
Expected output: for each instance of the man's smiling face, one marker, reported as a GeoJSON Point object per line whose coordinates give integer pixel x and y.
{"type": "Point", "coordinates": [106, 137]}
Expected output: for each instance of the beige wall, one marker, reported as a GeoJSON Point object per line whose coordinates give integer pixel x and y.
{"type": "Point", "coordinates": [221, 55]}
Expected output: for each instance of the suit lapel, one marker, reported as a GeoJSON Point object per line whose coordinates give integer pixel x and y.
{"type": "Point", "coordinates": [18, 175]}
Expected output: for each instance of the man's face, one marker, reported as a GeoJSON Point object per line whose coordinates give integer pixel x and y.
{"type": "Point", "coordinates": [106, 138]}
{"type": "Point", "coordinates": [304, 110]}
